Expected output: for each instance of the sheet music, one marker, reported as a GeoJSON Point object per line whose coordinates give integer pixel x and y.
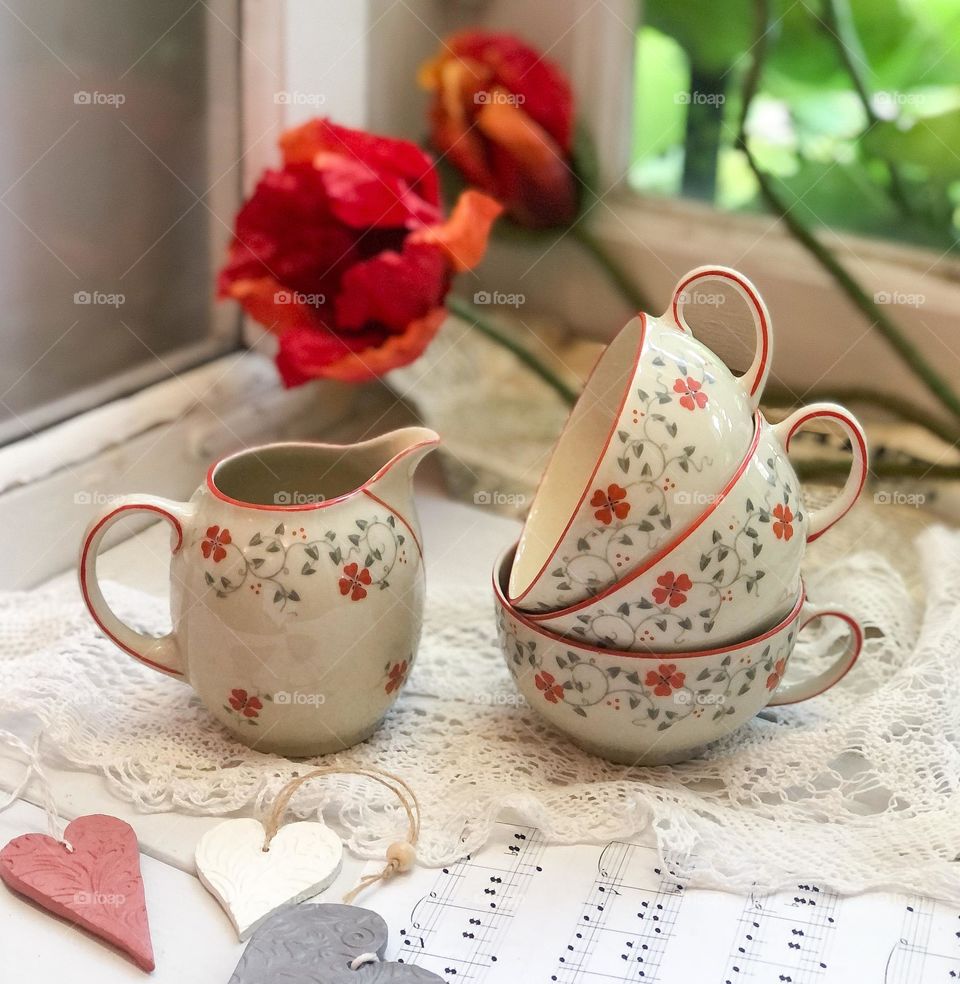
{"type": "Point", "coordinates": [590, 914]}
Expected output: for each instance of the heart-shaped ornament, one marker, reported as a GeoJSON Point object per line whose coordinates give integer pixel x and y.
{"type": "Point", "coordinates": [316, 944]}
{"type": "Point", "coordinates": [250, 883]}
{"type": "Point", "coordinates": [97, 885]}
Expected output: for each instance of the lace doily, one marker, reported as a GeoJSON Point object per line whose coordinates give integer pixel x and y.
{"type": "Point", "coordinates": [859, 785]}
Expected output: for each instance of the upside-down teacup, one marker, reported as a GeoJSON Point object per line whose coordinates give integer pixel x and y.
{"type": "Point", "coordinates": [660, 412]}
{"type": "Point", "coordinates": [736, 572]}
{"type": "Point", "coordinates": [296, 589]}
{"type": "Point", "coordinates": [658, 708]}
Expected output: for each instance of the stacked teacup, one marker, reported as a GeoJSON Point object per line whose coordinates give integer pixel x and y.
{"type": "Point", "coordinates": [654, 598]}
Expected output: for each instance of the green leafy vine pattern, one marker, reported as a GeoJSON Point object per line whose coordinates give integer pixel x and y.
{"type": "Point", "coordinates": [660, 694]}
{"type": "Point", "coordinates": [633, 514]}
{"type": "Point", "coordinates": [677, 601]}
{"type": "Point", "coordinates": [281, 562]}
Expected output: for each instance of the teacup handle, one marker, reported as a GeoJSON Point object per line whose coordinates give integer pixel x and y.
{"type": "Point", "coordinates": [833, 674]}
{"type": "Point", "coordinates": [161, 653]}
{"type": "Point", "coordinates": [822, 519]}
{"type": "Point", "coordinates": [755, 378]}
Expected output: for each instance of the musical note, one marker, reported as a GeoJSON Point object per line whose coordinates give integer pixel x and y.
{"type": "Point", "coordinates": [517, 910]}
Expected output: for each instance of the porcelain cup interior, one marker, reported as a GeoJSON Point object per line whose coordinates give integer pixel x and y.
{"type": "Point", "coordinates": [659, 415]}
{"type": "Point", "coordinates": [658, 708]}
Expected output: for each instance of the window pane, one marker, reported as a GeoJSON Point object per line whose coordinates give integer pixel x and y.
{"type": "Point", "coordinates": [879, 159]}
{"type": "Point", "coordinates": [106, 169]}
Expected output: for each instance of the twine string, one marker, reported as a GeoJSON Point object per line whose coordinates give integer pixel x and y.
{"type": "Point", "coordinates": [55, 824]}
{"type": "Point", "coordinates": [400, 855]}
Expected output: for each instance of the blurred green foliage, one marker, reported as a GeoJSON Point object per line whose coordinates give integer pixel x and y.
{"type": "Point", "coordinates": [808, 125]}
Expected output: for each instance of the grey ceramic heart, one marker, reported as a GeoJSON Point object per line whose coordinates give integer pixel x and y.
{"type": "Point", "coordinates": [315, 944]}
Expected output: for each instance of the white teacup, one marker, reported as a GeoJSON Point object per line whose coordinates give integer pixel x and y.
{"type": "Point", "coordinates": [658, 708]}
{"type": "Point", "coordinates": [660, 412]}
{"type": "Point", "coordinates": [736, 571]}
{"type": "Point", "coordinates": [296, 589]}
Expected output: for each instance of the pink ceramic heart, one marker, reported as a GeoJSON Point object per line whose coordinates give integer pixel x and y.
{"type": "Point", "coordinates": [97, 885]}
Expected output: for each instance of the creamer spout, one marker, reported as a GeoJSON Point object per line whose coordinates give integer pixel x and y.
{"type": "Point", "coordinates": [403, 450]}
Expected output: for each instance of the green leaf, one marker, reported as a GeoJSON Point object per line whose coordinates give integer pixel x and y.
{"type": "Point", "coordinates": [312, 552]}
{"type": "Point", "coordinates": [255, 540]}
{"type": "Point", "coordinates": [930, 143]}
{"type": "Point", "coordinates": [280, 530]}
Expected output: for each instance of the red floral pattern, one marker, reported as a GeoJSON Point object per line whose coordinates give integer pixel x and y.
{"type": "Point", "coordinates": [773, 681]}
{"type": "Point", "coordinates": [610, 503]}
{"type": "Point", "coordinates": [396, 676]}
{"type": "Point", "coordinates": [215, 543]}
{"type": "Point", "coordinates": [671, 589]}
{"type": "Point", "coordinates": [355, 581]}
{"type": "Point", "coordinates": [665, 679]}
{"type": "Point", "coordinates": [783, 527]}
{"type": "Point", "coordinates": [244, 704]}
{"type": "Point", "coordinates": [547, 682]}
{"type": "Point", "coordinates": [693, 395]}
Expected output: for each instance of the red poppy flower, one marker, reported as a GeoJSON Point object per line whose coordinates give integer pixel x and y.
{"type": "Point", "coordinates": [396, 676]}
{"type": "Point", "coordinates": [344, 252]}
{"type": "Point", "coordinates": [672, 588]}
{"type": "Point", "coordinates": [215, 542]}
{"type": "Point", "coordinates": [773, 681]}
{"type": "Point", "coordinates": [547, 682]}
{"type": "Point", "coordinates": [503, 116]}
{"type": "Point", "coordinates": [354, 581]}
{"type": "Point", "coordinates": [610, 503]}
{"type": "Point", "coordinates": [665, 679]}
{"type": "Point", "coordinates": [248, 706]}
{"type": "Point", "coordinates": [783, 528]}
{"type": "Point", "coordinates": [693, 395]}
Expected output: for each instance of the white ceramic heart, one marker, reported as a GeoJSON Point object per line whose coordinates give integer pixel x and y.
{"type": "Point", "coordinates": [657, 708]}
{"type": "Point", "coordinates": [736, 572]}
{"type": "Point", "coordinates": [660, 412]}
{"type": "Point", "coordinates": [250, 883]}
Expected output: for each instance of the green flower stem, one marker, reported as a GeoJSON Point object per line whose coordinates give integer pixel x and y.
{"type": "Point", "coordinates": [838, 18]}
{"type": "Point", "coordinates": [633, 294]}
{"type": "Point", "coordinates": [894, 335]}
{"type": "Point", "coordinates": [463, 309]}
{"type": "Point", "coordinates": [781, 396]}
{"type": "Point", "coordinates": [917, 470]}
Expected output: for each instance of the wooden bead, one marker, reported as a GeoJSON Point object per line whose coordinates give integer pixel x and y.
{"type": "Point", "coordinates": [403, 854]}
